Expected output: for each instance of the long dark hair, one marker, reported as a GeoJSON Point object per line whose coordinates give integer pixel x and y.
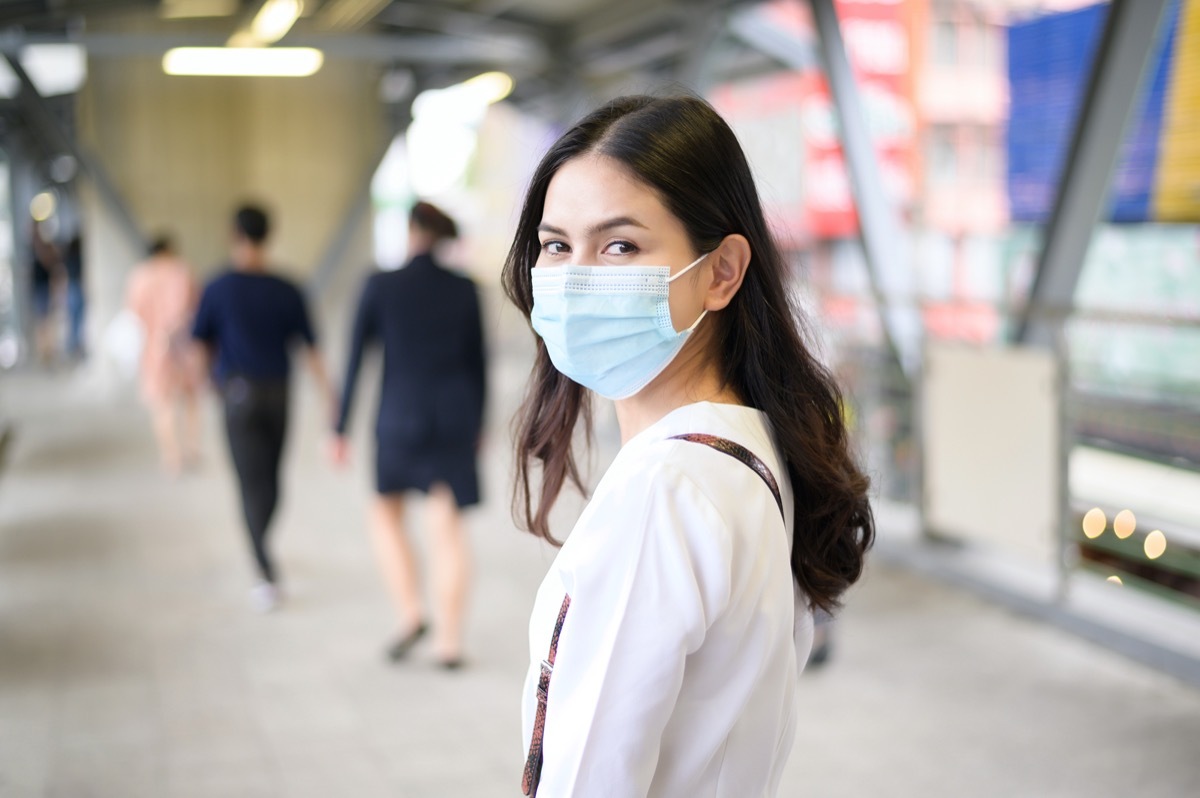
{"type": "Point", "coordinates": [684, 150]}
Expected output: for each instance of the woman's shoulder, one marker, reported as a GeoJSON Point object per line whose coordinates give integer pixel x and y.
{"type": "Point", "coordinates": [699, 438]}
{"type": "Point", "coordinates": [662, 471]}
{"type": "Point", "coordinates": [719, 450]}
{"type": "Point", "coordinates": [648, 510]}
{"type": "Point", "coordinates": [657, 492]}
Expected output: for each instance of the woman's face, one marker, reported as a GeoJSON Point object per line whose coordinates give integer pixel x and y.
{"type": "Point", "coordinates": [597, 214]}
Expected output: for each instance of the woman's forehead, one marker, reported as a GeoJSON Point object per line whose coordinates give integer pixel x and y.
{"type": "Point", "coordinates": [591, 187]}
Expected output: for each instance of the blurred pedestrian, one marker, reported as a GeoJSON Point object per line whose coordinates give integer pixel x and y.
{"type": "Point", "coordinates": [162, 293]}
{"type": "Point", "coordinates": [76, 297]}
{"type": "Point", "coordinates": [427, 430]}
{"type": "Point", "coordinates": [248, 320]}
{"type": "Point", "coordinates": [679, 610]}
{"type": "Point", "coordinates": [46, 279]}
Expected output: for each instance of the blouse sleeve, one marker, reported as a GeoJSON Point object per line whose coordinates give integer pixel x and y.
{"type": "Point", "coordinates": [648, 577]}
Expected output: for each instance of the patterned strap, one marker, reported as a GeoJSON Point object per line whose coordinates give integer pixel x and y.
{"type": "Point", "coordinates": [533, 763]}
{"type": "Point", "coordinates": [741, 454]}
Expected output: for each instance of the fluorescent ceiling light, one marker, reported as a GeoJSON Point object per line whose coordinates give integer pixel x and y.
{"type": "Point", "coordinates": [275, 19]}
{"type": "Point", "coordinates": [284, 62]}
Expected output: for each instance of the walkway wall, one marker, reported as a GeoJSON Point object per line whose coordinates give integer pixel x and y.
{"type": "Point", "coordinates": [184, 151]}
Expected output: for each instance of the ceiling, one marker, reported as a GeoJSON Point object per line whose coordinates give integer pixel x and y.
{"type": "Point", "coordinates": [554, 48]}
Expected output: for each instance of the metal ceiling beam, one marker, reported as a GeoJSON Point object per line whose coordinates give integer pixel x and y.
{"type": "Point", "coordinates": [883, 235]}
{"type": "Point", "coordinates": [604, 31]}
{"type": "Point", "coordinates": [42, 120]}
{"type": "Point", "coordinates": [455, 21]}
{"type": "Point", "coordinates": [1130, 32]}
{"type": "Point", "coordinates": [600, 30]}
{"type": "Point", "coordinates": [635, 56]}
{"type": "Point", "coordinates": [756, 29]}
{"type": "Point", "coordinates": [703, 27]}
{"type": "Point", "coordinates": [41, 12]}
{"type": "Point", "coordinates": [432, 49]}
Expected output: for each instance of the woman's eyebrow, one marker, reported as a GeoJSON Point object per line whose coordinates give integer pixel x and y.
{"type": "Point", "coordinates": [619, 221]}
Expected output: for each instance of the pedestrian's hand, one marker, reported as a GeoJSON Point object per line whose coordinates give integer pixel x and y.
{"type": "Point", "coordinates": [339, 451]}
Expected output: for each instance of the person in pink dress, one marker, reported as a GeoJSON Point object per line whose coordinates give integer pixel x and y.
{"type": "Point", "coordinates": [163, 294]}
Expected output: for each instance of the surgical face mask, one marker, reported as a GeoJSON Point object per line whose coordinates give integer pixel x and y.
{"type": "Point", "coordinates": [608, 328]}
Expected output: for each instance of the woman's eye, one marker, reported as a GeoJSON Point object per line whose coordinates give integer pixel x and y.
{"type": "Point", "coordinates": [620, 248]}
{"type": "Point", "coordinates": [554, 247]}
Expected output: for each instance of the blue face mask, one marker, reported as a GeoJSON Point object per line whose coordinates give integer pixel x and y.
{"type": "Point", "coordinates": [608, 328]}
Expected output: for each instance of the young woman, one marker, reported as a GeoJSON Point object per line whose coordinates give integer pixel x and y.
{"type": "Point", "coordinates": [427, 321]}
{"type": "Point", "coordinates": [162, 293]}
{"type": "Point", "coordinates": [667, 637]}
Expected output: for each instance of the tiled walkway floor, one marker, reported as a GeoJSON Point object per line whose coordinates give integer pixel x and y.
{"type": "Point", "coordinates": [130, 664]}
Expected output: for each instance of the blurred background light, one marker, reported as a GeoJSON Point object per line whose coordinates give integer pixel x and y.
{"type": "Point", "coordinates": [392, 196]}
{"type": "Point", "coordinates": [490, 87]}
{"type": "Point", "coordinates": [43, 206]}
{"type": "Point", "coordinates": [275, 19]}
{"type": "Point", "coordinates": [440, 152]}
{"type": "Point", "coordinates": [1094, 522]}
{"type": "Point", "coordinates": [295, 62]}
{"type": "Point", "coordinates": [63, 168]}
{"type": "Point", "coordinates": [444, 133]}
{"type": "Point", "coordinates": [465, 102]}
{"type": "Point", "coordinates": [10, 350]}
{"type": "Point", "coordinates": [54, 69]}
{"type": "Point", "coordinates": [1116, 580]}
{"type": "Point", "coordinates": [1124, 524]}
{"type": "Point", "coordinates": [396, 85]}
{"type": "Point", "coordinates": [349, 14]}
{"type": "Point", "coordinates": [10, 85]}
{"type": "Point", "coordinates": [1155, 545]}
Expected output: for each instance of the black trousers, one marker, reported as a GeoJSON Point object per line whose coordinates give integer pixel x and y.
{"type": "Point", "coordinates": [256, 415]}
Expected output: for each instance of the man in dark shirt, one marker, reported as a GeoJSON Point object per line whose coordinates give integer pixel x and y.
{"type": "Point", "coordinates": [248, 320]}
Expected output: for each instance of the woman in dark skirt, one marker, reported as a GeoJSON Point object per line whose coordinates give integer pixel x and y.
{"type": "Point", "coordinates": [430, 417]}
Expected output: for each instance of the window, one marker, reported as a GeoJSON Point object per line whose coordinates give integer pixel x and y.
{"type": "Point", "coordinates": [945, 43]}
{"type": "Point", "coordinates": [941, 155]}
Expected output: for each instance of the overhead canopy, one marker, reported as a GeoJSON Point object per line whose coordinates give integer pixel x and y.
{"type": "Point", "coordinates": [553, 48]}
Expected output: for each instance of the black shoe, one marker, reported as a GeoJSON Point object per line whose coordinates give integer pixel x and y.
{"type": "Point", "coordinates": [451, 664]}
{"type": "Point", "coordinates": [399, 650]}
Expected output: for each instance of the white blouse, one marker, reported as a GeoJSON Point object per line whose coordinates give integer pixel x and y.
{"type": "Point", "coordinates": [677, 665]}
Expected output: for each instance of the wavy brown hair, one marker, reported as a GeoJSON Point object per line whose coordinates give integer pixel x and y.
{"type": "Point", "coordinates": [686, 153]}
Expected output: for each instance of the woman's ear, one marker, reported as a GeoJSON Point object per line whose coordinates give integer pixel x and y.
{"type": "Point", "coordinates": [729, 262]}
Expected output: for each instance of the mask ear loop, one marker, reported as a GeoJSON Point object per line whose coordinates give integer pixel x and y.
{"type": "Point", "coordinates": [687, 268]}
{"type": "Point", "coordinates": [679, 274]}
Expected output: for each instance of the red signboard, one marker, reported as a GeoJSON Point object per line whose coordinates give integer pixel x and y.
{"type": "Point", "coordinates": [787, 125]}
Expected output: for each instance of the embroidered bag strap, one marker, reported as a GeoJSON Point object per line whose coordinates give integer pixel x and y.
{"type": "Point", "coordinates": [742, 455]}
{"type": "Point", "coordinates": [533, 763]}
